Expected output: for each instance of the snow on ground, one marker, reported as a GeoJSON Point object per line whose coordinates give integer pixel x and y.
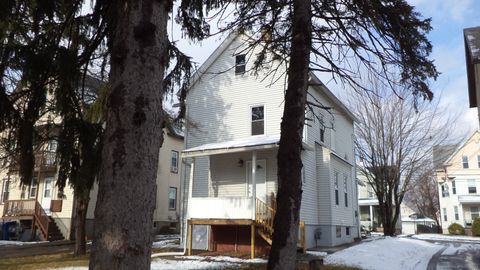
{"type": "Point", "coordinates": [317, 253]}
{"type": "Point", "coordinates": [444, 237]}
{"type": "Point", "coordinates": [16, 243]}
{"type": "Point", "coordinates": [166, 241]}
{"type": "Point", "coordinates": [389, 253]}
{"type": "Point", "coordinates": [192, 263]}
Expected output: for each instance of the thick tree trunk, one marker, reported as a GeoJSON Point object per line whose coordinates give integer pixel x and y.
{"type": "Point", "coordinates": [133, 137]}
{"type": "Point", "coordinates": [284, 247]}
{"type": "Point", "coordinates": [81, 206]}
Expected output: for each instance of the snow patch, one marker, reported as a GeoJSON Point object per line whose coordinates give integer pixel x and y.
{"type": "Point", "coordinates": [16, 243]}
{"type": "Point", "coordinates": [397, 253]}
{"type": "Point", "coordinates": [443, 237]}
{"type": "Point", "coordinates": [317, 253]}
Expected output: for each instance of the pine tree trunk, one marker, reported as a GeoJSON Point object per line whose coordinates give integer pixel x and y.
{"type": "Point", "coordinates": [133, 137]}
{"type": "Point", "coordinates": [284, 246]}
{"type": "Point", "coordinates": [81, 206]}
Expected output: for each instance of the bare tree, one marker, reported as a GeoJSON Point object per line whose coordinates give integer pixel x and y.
{"type": "Point", "coordinates": [423, 195]}
{"type": "Point", "coordinates": [394, 136]}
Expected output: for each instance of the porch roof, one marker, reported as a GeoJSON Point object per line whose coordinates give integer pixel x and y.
{"type": "Point", "coordinates": [466, 199]}
{"type": "Point", "coordinates": [241, 145]}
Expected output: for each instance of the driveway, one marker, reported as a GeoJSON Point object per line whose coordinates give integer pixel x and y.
{"type": "Point", "coordinates": [456, 255]}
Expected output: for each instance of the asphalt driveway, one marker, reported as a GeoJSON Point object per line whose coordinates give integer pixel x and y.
{"type": "Point", "coordinates": [456, 255]}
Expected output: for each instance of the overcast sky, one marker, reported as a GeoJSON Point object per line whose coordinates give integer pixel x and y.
{"type": "Point", "coordinates": [449, 18]}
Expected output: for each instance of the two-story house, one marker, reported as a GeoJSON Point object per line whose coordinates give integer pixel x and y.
{"type": "Point", "coordinates": [232, 133]}
{"type": "Point", "coordinates": [458, 178]}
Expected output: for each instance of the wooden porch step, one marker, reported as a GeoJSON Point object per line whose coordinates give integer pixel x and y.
{"type": "Point", "coordinates": [265, 236]}
{"type": "Point", "coordinates": [54, 233]}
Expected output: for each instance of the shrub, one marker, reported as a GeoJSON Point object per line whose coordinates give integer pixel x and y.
{"type": "Point", "coordinates": [456, 229]}
{"type": "Point", "coordinates": [476, 227]}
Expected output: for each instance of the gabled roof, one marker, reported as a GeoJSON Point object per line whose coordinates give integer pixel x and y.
{"type": "Point", "coordinates": [441, 153]}
{"type": "Point", "coordinates": [318, 84]}
{"type": "Point", "coordinates": [459, 147]}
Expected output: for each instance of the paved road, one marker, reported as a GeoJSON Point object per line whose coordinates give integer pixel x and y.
{"type": "Point", "coordinates": [455, 255]}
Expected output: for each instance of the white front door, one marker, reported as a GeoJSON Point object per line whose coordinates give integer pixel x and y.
{"type": "Point", "coordinates": [47, 194]}
{"type": "Point", "coordinates": [260, 179]}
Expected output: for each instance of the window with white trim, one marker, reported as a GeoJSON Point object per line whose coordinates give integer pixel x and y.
{"type": "Point", "coordinates": [32, 193]}
{"type": "Point", "coordinates": [465, 162]}
{"type": "Point", "coordinates": [336, 189]}
{"type": "Point", "coordinates": [174, 162]}
{"type": "Point", "coordinates": [172, 198]}
{"type": "Point", "coordinates": [345, 189]}
{"type": "Point", "coordinates": [240, 64]}
{"type": "Point", "coordinates": [474, 212]}
{"type": "Point", "coordinates": [444, 210]}
{"type": "Point", "coordinates": [258, 120]}
{"type": "Point", "coordinates": [454, 187]}
{"type": "Point", "coordinates": [455, 210]}
{"type": "Point", "coordinates": [478, 161]}
{"type": "Point", "coordinates": [5, 190]}
{"type": "Point", "coordinates": [472, 186]}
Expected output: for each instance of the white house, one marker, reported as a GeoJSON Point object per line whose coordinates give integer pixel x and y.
{"type": "Point", "coordinates": [458, 177]}
{"type": "Point", "coordinates": [232, 132]}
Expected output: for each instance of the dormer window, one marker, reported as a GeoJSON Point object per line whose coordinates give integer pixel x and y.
{"type": "Point", "coordinates": [258, 120]}
{"type": "Point", "coordinates": [240, 64]}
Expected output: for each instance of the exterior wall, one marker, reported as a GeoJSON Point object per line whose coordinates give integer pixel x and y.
{"type": "Point", "coordinates": [219, 109]}
{"type": "Point", "coordinates": [453, 172]}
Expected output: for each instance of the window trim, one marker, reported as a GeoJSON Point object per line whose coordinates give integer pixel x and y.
{"type": "Point", "coordinates": [335, 184]}
{"type": "Point", "coordinates": [465, 162]}
{"type": "Point", "coordinates": [345, 189]}
{"type": "Point", "coordinates": [238, 66]}
{"type": "Point", "coordinates": [264, 119]}
{"type": "Point", "coordinates": [454, 187]}
{"type": "Point", "coordinates": [34, 181]}
{"type": "Point", "coordinates": [5, 186]}
{"type": "Point", "coordinates": [175, 199]}
{"type": "Point", "coordinates": [174, 167]}
{"type": "Point", "coordinates": [445, 217]}
{"type": "Point", "coordinates": [455, 211]}
{"type": "Point", "coordinates": [472, 189]}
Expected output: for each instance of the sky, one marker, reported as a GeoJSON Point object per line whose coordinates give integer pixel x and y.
{"type": "Point", "coordinates": [449, 18]}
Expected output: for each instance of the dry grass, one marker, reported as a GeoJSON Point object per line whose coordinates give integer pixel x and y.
{"type": "Point", "coordinates": [43, 262]}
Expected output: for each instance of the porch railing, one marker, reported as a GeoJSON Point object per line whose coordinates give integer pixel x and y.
{"type": "Point", "coordinates": [14, 208]}
{"type": "Point", "coordinates": [41, 218]}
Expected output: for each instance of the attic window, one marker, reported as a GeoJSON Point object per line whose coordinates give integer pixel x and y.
{"type": "Point", "coordinates": [240, 64]}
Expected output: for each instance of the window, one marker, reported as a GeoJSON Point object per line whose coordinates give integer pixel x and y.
{"type": "Point", "coordinates": [369, 191]}
{"type": "Point", "coordinates": [474, 212]}
{"type": "Point", "coordinates": [444, 214]}
{"type": "Point", "coordinates": [345, 179]}
{"type": "Point", "coordinates": [240, 64]}
{"type": "Point", "coordinates": [454, 187]}
{"type": "Point", "coordinates": [445, 191]}
{"type": "Point", "coordinates": [465, 162]}
{"type": "Point", "coordinates": [455, 210]}
{"type": "Point", "coordinates": [478, 161]}
{"type": "Point", "coordinates": [174, 162]}
{"type": "Point", "coordinates": [347, 230]}
{"type": "Point", "coordinates": [322, 129]}
{"type": "Point", "coordinates": [258, 118]}
{"type": "Point", "coordinates": [338, 230]}
{"type": "Point", "coordinates": [172, 198]}
{"type": "Point", "coordinates": [336, 188]}
{"type": "Point", "coordinates": [472, 188]}
{"type": "Point", "coordinates": [33, 189]}
{"type": "Point", "coordinates": [5, 190]}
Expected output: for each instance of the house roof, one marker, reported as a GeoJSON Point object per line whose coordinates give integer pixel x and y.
{"type": "Point", "coordinates": [472, 56]}
{"type": "Point", "coordinates": [441, 153]}
{"type": "Point", "coordinates": [245, 144]}
{"type": "Point", "coordinates": [317, 83]}
{"type": "Point", "coordinates": [460, 146]}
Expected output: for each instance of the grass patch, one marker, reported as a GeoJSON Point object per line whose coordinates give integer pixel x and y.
{"type": "Point", "coordinates": [43, 262]}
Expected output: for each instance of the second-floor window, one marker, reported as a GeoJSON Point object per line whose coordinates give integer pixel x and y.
{"type": "Point", "coordinates": [465, 162]}
{"type": "Point", "coordinates": [33, 189]}
{"type": "Point", "coordinates": [5, 190]}
{"type": "Point", "coordinates": [472, 187]}
{"type": "Point", "coordinates": [258, 120]}
{"type": "Point", "coordinates": [454, 187]}
{"type": "Point", "coordinates": [240, 64]}
{"type": "Point", "coordinates": [345, 189]}
{"type": "Point", "coordinates": [174, 162]}
{"type": "Point", "coordinates": [336, 189]}
{"type": "Point", "coordinates": [445, 191]}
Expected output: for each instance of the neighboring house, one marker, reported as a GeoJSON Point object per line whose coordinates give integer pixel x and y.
{"type": "Point", "coordinates": [369, 207]}
{"type": "Point", "coordinates": [166, 217]}
{"type": "Point", "coordinates": [232, 133]}
{"type": "Point", "coordinates": [472, 56]}
{"type": "Point", "coordinates": [458, 178]}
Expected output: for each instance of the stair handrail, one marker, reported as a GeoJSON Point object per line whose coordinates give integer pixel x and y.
{"type": "Point", "coordinates": [41, 218]}
{"type": "Point", "coordinates": [265, 215]}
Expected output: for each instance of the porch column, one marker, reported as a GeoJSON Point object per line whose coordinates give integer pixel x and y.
{"type": "Point", "coordinates": [254, 183]}
{"type": "Point", "coordinates": [188, 225]}
{"type": "Point", "coordinates": [371, 216]}
{"type": "Point", "coordinates": [190, 184]}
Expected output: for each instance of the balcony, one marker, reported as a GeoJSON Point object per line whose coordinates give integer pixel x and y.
{"type": "Point", "coordinates": [45, 161]}
{"type": "Point", "coordinates": [221, 208]}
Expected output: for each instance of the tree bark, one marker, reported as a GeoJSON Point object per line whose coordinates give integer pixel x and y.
{"type": "Point", "coordinates": [133, 137]}
{"type": "Point", "coordinates": [284, 246]}
{"type": "Point", "coordinates": [81, 207]}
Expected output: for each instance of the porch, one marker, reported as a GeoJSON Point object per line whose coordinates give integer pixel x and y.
{"type": "Point", "coordinates": [233, 184]}
{"type": "Point", "coordinates": [471, 208]}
